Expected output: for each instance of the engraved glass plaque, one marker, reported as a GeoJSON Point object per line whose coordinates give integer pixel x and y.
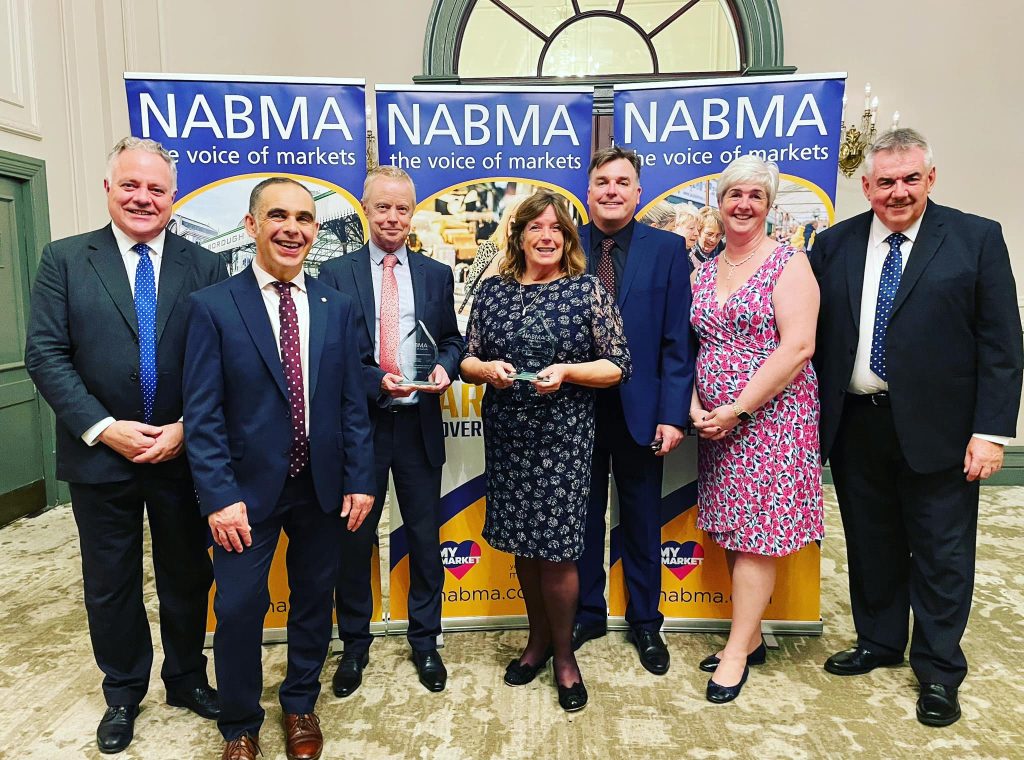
{"type": "Point", "coordinates": [533, 348]}
{"type": "Point", "coordinates": [424, 357]}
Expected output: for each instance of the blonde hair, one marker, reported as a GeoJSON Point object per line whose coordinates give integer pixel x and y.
{"type": "Point", "coordinates": [573, 262]}
{"type": "Point", "coordinates": [661, 215]}
{"type": "Point", "coordinates": [390, 172]}
{"type": "Point", "coordinates": [500, 235]}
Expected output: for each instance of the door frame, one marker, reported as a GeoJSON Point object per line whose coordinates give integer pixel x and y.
{"type": "Point", "coordinates": [31, 172]}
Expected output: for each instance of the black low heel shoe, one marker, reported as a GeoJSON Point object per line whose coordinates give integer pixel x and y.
{"type": "Point", "coordinates": [572, 698]}
{"type": "Point", "coordinates": [721, 694]}
{"type": "Point", "coordinates": [757, 657]}
{"type": "Point", "coordinates": [520, 674]}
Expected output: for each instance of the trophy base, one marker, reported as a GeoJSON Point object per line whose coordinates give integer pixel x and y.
{"type": "Point", "coordinates": [530, 377]}
{"type": "Point", "coordinates": [417, 384]}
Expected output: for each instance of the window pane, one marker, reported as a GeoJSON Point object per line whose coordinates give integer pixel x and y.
{"type": "Point", "coordinates": [546, 15]}
{"type": "Point", "coordinates": [496, 45]}
{"type": "Point", "coordinates": [598, 46]}
{"type": "Point", "coordinates": [702, 39]}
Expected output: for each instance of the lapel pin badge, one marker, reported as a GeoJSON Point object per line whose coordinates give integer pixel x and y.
{"type": "Point", "coordinates": [323, 299]}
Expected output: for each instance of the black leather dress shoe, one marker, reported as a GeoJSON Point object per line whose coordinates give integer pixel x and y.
{"type": "Point", "coordinates": [431, 669]}
{"type": "Point", "coordinates": [519, 674]}
{"type": "Point", "coordinates": [721, 694]}
{"type": "Point", "coordinates": [938, 705]}
{"type": "Point", "coordinates": [117, 728]}
{"type": "Point", "coordinates": [202, 700]}
{"type": "Point", "coordinates": [652, 650]}
{"type": "Point", "coordinates": [581, 634]}
{"type": "Point", "coordinates": [757, 657]}
{"type": "Point", "coordinates": [857, 661]}
{"type": "Point", "coordinates": [349, 674]}
{"type": "Point", "coordinates": [572, 698]}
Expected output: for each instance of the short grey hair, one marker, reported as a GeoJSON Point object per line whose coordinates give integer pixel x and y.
{"type": "Point", "coordinates": [389, 172]}
{"type": "Point", "coordinates": [149, 146]}
{"type": "Point", "coordinates": [898, 141]}
{"type": "Point", "coordinates": [750, 170]}
{"type": "Point", "coordinates": [686, 213]}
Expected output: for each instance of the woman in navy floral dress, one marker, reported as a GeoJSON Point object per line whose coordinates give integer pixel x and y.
{"type": "Point", "coordinates": [539, 436]}
{"type": "Point", "coordinates": [755, 404]}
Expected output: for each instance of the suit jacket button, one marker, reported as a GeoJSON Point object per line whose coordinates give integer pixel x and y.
{"type": "Point", "coordinates": [133, 376]}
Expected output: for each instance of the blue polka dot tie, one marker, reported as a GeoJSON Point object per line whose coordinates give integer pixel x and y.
{"type": "Point", "coordinates": [291, 361]}
{"type": "Point", "coordinates": [145, 313]}
{"type": "Point", "coordinates": [892, 270]}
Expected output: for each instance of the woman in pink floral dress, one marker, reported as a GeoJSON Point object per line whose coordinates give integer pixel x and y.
{"type": "Point", "coordinates": [755, 405]}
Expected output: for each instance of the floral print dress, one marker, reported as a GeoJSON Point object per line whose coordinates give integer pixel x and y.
{"type": "Point", "coordinates": [758, 488]}
{"type": "Point", "coordinates": [538, 447]}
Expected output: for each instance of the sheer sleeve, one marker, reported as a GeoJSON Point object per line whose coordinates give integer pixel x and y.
{"type": "Point", "coordinates": [606, 328]}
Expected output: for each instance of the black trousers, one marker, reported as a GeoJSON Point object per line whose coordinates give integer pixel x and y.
{"type": "Point", "coordinates": [109, 518]}
{"type": "Point", "coordinates": [242, 601]}
{"type": "Point", "coordinates": [910, 542]}
{"type": "Point", "coordinates": [638, 477]}
{"type": "Point", "coordinates": [398, 449]}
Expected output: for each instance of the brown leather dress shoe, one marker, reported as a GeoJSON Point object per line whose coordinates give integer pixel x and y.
{"type": "Point", "coordinates": [304, 740]}
{"type": "Point", "coordinates": [245, 747]}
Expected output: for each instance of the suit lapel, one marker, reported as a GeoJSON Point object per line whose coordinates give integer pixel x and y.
{"type": "Point", "coordinates": [172, 276]}
{"type": "Point", "coordinates": [251, 306]}
{"type": "Point", "coordinates": [636, 252]}
{"type": "Point", "coordinates": [364, 287]}
{"type": "Point", "coordinates": [418, 273]}
{"type": "Point", "coordinates": [317, 332]}
{"type": "Point", "coordinates": [106, 260]}
{"type": "Point", "coordinates": [585, 244]}
{"type": "Point", "coordinates": [929, 238]}
{"type": "Point", "coordinates": [854, 253]}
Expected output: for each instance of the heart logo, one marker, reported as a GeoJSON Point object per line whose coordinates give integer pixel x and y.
{"type": "Point", "coordinates": [459, 559]}
{"type": "Point", "coordinates": [681, 559]}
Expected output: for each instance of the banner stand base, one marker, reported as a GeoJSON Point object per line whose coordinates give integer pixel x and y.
{"type": "Point", "coordinates": [707, 625]}
{"type": "Point", "coordinates": [496, 623]}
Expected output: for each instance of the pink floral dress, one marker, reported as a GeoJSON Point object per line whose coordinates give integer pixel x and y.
{"type": "Point", "coordinates": [759, 488]}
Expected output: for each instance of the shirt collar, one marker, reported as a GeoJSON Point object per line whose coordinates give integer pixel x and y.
{"type": "Point", "coordinates": [879, 232]}
{"type": "Point", "coordinates": [377, 254]}
{"type": "Point", "coordinates": [621, 238]}
{"type": "Point", "coordinates": [125, 243]}
{"type": "Point", "coordinates": [264, 278]}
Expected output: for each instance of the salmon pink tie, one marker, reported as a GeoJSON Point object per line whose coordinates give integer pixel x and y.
{"type": "Point", "coordinates": [389, 316]}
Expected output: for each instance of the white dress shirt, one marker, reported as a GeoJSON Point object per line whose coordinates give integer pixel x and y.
{"type": "Point", "coordinates": [272, 300]}
{"type": "Point", "coordinates": [863, 380]}
{"type": "Point", "coordinates": [131, 263]}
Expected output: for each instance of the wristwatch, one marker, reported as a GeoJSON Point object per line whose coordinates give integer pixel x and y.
{"type": "Point", "coordinates": [741, 413]}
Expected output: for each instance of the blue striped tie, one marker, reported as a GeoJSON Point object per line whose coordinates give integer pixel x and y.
{"type": "Point", "coordinates": [145, 312]}
{"type": "Point", "coordinates": [892, 271]}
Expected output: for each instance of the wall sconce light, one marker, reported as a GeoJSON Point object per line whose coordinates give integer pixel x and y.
{"type": "Point", "coordinates": [856, 141]}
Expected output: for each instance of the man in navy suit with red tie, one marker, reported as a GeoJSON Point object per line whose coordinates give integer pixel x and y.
{"type": "Point", "coordinates": [919, 362]}
{"type": "Point", "coordinates": [279, 438]}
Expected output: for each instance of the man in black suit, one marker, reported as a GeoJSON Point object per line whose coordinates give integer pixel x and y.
{"type": "Point", "coordinates": [641, 421]}
{"type": "Point", "coordinates": [278, 438]}
{"type": "Point", "coordinates": [398, 289]}
{"type": "Point", "coordinates": [106, 340]}
{"type": "Point", "coordinates": [919, 360]}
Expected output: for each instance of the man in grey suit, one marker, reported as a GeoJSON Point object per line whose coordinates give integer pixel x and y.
{"type": "Point", "coordinates": [106, 343]}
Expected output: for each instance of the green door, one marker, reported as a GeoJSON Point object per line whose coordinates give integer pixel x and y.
{"type": "Point", "coordinates": [22, 481]}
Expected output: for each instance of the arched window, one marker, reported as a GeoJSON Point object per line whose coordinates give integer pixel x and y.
{"type": "Point", "coordinates": [600, 41]}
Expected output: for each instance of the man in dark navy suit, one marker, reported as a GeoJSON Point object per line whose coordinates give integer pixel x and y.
{"type": "Point", "coordinates": [919, 360]}
{"type": "Point", "coordinates": [278, 437]}
{"type": "Point", "coordinates": [640, 421]}
{"type": "Point", "coordinates": [397, 289]}
{"type": "Point", "coordinates": [106, 341]}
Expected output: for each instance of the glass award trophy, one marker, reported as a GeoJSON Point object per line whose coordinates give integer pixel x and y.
{"type": "Point", "coordinates": [533, 348]}
{"type": "Point", "coordinates": [424, 357]}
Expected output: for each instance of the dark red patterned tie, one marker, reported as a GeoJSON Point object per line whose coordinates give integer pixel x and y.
{"type": "Point", "coordinates": [291, 359]}
{"type": "Point", "coordinates": [605, 268]}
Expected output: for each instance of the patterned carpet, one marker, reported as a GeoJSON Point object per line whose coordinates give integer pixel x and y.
{"type": "Point", "coordinates": [50, 700]}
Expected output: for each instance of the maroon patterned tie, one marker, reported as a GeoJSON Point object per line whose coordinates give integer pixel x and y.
{"type": "Point", "coordinates": [291, 359]}
{"type": "Point", "coordinates": [605, 268]}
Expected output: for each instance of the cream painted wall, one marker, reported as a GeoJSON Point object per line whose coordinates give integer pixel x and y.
{"type": "Point", "coordinates": [948, 68]}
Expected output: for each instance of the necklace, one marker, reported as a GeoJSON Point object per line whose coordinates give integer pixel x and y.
{"type": "Point", "coordinates": [537, 295]}
{"type": "Point", "coordinates": [736, 265]}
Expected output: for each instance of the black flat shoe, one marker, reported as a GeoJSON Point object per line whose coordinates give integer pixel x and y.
{"type": "Point", "coordinates": [519, 673]}
{"type": "Point", "coordinates": [757, 657]}
{"type": "Point", "coordinates": [117, 728]}
{"type": "Point", "coordinates": [572, 698]}
{"type": "Point", "coordinates": [721, 694]}
{"type": "Point", "coordinates": [938, 705]}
